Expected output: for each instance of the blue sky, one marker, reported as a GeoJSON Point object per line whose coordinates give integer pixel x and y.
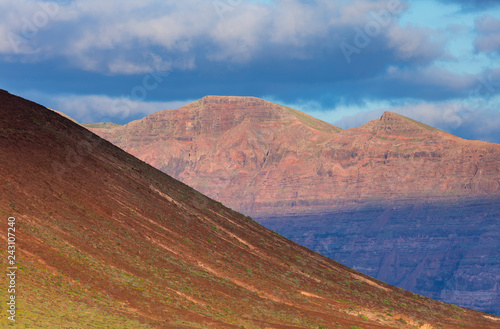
{"type": "Point", "coordinates": [345, 62]}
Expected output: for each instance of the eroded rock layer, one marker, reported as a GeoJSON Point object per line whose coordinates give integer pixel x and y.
{"type": "Point", "coordinates": [261, 158]}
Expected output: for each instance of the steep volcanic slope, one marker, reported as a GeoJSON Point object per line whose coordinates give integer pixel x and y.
{"type": "Point", "coordinates": [264, 159]}
{"type": "Point", "coordinates": [105, 240]}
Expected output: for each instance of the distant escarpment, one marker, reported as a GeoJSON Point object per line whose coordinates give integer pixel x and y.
{"type": "Point", "coordinates": [261, 158]}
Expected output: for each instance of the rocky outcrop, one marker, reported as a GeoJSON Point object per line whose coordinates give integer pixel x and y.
{"type": "Point", "coordinates": [262, 158]}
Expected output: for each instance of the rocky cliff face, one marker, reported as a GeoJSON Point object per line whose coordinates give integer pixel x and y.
{"type": "Point", "coordinates": [261, 158]}
{"type": "Point", "coordinates": [396, 193]}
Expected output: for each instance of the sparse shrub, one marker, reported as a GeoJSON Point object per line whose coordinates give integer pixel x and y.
{"type": "Point", "coordinates": [402, 321]}
{"type": "Point", "coordinates": [456, 308]}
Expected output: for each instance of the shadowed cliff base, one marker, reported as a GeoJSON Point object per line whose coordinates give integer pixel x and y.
{"type": "Point", "coordinates": [444, 250]}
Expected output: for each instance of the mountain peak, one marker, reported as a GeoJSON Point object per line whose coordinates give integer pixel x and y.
{"type": "Point", "coordinates": [229, 99]}
{"type": "Point", "coordinates": [215, 114]}
{"type": "Point", "coordinates": [396, 124]}
{"type": "Point", "coordinates": [237, 149]}
{"type": "Point", "coordinates": [388, 115]}
{"type": "Point", "coordinates": [242, 100]}
{"type": "Point", "coordinates": [244, 105]}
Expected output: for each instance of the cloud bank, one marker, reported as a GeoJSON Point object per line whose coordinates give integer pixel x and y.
{"type": "Point", "coordinates": [116, 36]}
{"type": "Point", "coordinates": [339, 55]}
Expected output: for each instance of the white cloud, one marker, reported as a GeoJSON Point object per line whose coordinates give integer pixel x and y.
{"type": "Point", "coordinates": [488, 29]}
{"type": "Point", "coordinates": [432, 76]}
{"type": "Point", "coordinates": [113, 36]}
{"type": "Point", "coordinates": [413, 43]}
{"type": "Point", "coordinates": [96, 108]}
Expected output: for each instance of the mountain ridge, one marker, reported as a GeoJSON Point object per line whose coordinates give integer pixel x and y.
{"type": "Point", "coordinates": [238, 109]}
{"type": "Point", "coordinates": [337, 167]}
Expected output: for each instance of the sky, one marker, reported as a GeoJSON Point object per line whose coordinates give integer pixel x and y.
{"type": "Point", "coordinates": [342, 61]}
